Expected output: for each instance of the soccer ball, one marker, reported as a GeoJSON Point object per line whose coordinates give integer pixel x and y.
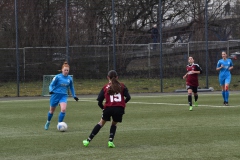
{"type": "Point", "coordinates": [62, 126]}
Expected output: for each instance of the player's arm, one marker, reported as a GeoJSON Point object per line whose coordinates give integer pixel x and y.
{"type": "Point", "coordinates": [231, 66]}
{"type": "Point", "coordinates": [219, 66]}
{"type": "Point", "coordinates": [53, 84]}
{"type": "Point", "coordinates": [72, 90]}
{"type": "Point", "coordinates": [100, 99]}
{"type": "Point", "coordinates": [198, 70]}
{"type": "Point", "coordinates": [126, 94]}
{"type": "Point", "coordinates": [185, 75]}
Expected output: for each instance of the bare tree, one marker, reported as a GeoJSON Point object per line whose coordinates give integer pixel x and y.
{"type": "Point", "coordinates": [7, 24]}
{"type": "Point", "coordinates": [90, 21]}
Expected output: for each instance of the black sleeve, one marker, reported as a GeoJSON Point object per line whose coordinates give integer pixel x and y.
{"type": "Point", "coordinates": [126, 94]}
{"type": "Point", "coordinates": [100, 99]}
{"type": "Point", "coordinates": [199, 69]}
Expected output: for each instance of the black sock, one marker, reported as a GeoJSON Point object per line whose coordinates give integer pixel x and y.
{"type": "Point", "coordinates": [112, 132]}
{"type": "Point", "coordinates": [95, 131]}
{"type": "Point", "coordinates": [190, 100]}
{"type": "Point", "coordinates": [196, 97]}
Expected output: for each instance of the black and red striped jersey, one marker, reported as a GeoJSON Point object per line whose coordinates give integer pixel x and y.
{"type": "Point", "coordinates": [192, 78]}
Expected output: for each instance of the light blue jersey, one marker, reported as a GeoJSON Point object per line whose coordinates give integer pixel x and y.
{"type": "Point", "coordinates": [224, 74]}
{"type": "Point", "coordinates": [60, 84]}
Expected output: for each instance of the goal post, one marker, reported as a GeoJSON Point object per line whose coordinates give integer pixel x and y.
{"type": "Point", "coordinates": [47, 79]}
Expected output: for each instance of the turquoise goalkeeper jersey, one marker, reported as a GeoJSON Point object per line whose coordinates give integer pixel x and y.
{"type": "Point", "coordinates": [61, 83]}
{"type": "Point", "coordinates": [224, 72]}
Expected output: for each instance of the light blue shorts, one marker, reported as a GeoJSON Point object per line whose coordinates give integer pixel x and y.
{"type": "Point", "coordinates": [224, 81]}
{"type": "Point", "coordinates": [57, 98]}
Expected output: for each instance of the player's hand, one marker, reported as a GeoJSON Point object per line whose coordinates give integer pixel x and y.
{"type": "Point", "coordinates": [76, 98]}
{"type": "Point", "coordinates": [51, 92]}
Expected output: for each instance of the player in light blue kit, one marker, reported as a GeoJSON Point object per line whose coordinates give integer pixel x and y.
{"type": "Point", "coordinates": [58, 90]}
{"type": "Point", "coordinates": [225, 65]}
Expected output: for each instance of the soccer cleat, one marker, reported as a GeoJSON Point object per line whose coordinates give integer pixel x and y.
{"type": "Point", "coordinates": [226, 103]}
{"type": "Point", "coordinates": [190, 108]}
{"type": "Point", "coordinates": [111, 145]}
{"type": "Point", "coordinates": [86, 143]}
{"type": "Point", "coordinates": [196, 104]}
{"type": "Point", "coordinates": [47, 125]}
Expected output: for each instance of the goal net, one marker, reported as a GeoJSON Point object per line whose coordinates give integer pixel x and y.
{"type": "Point", "coordinates": [47, 79]}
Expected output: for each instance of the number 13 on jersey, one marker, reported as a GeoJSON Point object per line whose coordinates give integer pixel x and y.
{"type": "Point", "coordinates": [116, 98]}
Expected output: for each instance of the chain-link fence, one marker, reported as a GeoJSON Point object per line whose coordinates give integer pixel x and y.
{"type": "Point", "coordinates": [133, 60]}
{"type": "Point", "coordinates": [86, 34]}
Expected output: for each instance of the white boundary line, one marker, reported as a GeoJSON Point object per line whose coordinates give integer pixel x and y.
{"type": "Point", "coordinates": [93, 99]}
{"type": "Point", "coordinates": [174, 104]}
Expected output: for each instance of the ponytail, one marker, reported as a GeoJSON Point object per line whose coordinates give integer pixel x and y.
{"type": "Point", "coordinates": [115, 86]}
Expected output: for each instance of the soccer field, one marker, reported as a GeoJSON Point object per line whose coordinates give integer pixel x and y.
{"type": "Point", "coordinates": [155, 126]}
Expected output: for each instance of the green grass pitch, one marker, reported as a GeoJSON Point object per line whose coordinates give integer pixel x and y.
{"type": "Point", "coordinates": [155, 127]}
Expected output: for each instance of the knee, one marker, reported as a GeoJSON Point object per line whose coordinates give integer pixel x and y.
{"type": "Point", "coordinates": [114, 123]}
{"type": "Point", "coordinates": [63, 110]}
{"type": "Point", "coordinates": [101, 122]}
{"type": "Point", "coordinates": [52, 109]}
{"type": "Point", "coordinates": [226, 88]}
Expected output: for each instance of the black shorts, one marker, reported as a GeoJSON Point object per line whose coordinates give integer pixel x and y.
{"type": "Point", "coordinates": [193, 88]}
{"type": "Point", "coordinates": [115, 112]}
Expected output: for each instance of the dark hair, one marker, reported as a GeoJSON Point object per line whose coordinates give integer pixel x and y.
{"type": "Point", "coordinates": [115, 86]}
{"type": "Point", "coordinates": [224, 51]}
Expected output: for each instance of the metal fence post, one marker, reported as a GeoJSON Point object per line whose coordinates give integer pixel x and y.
{"type": "Point", "coordinates": [17, 52]}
